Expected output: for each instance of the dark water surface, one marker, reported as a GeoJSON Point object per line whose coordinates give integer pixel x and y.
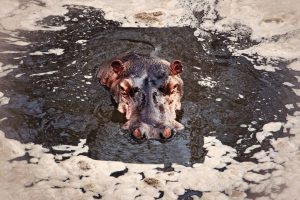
{"type": "Point", "coordinates": [65, 106]}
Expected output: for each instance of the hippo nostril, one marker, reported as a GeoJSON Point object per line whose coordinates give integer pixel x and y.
{"type": "Point", "coordinates": [137, 133]}
{"type": "Point", "coordinates": [167, 133]}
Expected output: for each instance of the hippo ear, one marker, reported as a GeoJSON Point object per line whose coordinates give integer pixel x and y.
{"type": "Point", "coordinates": [117, 66]}
{"type": "Point", "coordinates": [176, 67]}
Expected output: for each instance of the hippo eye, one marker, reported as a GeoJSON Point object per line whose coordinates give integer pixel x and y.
{"type": "Point", "coordinates": [168, 89]}
{"type": "Point", "coordinates": [125, 86]}
{"type": "Point", "coordinates": [123, 90]}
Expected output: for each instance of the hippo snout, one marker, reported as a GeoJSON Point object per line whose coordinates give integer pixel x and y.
{"type": "Point", "coordinates": [164, 133]}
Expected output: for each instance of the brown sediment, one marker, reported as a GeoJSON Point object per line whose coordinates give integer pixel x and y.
{"type": "Point", "coordinates": [149, 17]}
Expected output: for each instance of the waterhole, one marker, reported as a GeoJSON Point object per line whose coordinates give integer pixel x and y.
{"type": "Point", "coordinates": [55, 99]}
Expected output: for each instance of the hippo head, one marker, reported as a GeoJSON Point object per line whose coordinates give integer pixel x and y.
{"type": "Point", "coordinates": [148, 91]}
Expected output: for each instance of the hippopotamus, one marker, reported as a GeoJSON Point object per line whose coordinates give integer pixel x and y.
{"type": "Point", "coordinates": [147, 90]}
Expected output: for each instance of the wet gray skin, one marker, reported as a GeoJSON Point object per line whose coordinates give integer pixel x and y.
{"type": "Point", "coordinates": [148, 91]}
{"type": "Point", "coordinates": [68, 105]}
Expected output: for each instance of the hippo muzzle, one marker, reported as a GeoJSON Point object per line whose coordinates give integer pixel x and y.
{"type": "Point", "coordinates": [148, 91]}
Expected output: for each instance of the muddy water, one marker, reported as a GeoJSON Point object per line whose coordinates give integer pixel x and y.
{"type": "Point", "coordinates": [68, 104]}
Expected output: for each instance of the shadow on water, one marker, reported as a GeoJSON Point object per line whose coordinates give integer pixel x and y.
{"type": "Point", "coordinates": [69, 104]}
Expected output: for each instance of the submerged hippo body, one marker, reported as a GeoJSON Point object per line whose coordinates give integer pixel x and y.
{"type": "Point", "coordinates": [147, 90]}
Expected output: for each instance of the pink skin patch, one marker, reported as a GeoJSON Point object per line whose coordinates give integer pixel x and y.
{"type": "Point", "coordinates": [137, 133]}
{"type": "Point", "coordinates": [167, 133]}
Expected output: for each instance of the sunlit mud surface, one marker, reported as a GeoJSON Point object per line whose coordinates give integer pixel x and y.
{"type": "Point", "coordinates": [55, 98]}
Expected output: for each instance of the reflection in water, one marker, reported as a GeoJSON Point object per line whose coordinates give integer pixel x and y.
{"type": "Point", "coordinates": [55, 99]}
